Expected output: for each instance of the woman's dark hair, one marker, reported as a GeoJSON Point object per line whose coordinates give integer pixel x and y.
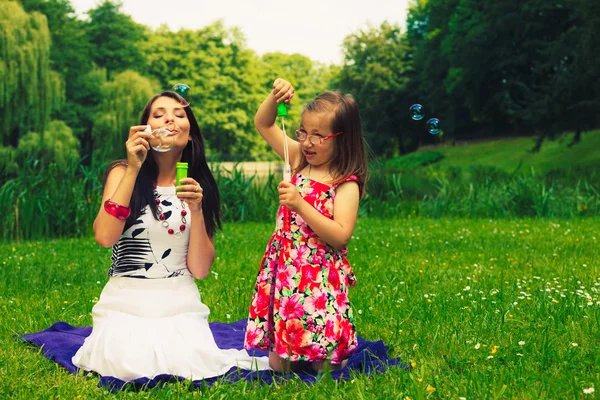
{"type": "Point", "coordinates": [193, 154]}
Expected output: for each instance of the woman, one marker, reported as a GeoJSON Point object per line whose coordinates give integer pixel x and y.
{"type": "Point", "coordinates": [149, 319]}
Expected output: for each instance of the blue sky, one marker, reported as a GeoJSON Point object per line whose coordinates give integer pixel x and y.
{"type": "Point", "coordinates": [314, 28]}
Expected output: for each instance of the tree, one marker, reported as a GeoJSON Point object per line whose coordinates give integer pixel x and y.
{"type": "Point", "coordinates": [574, 95]}
{"type": "Point", "coordinates": [224, 78]}
{"type": "Point", "coordinates": [71, 57]}
{"type": "Point", "coordinates": [115, 39]}
{"type": "Point", "coordinates": [29, 90]}
{"type": "Point", "coordinates": [123, 100]}
{"type": "Point", "coordinates": [55, 145]}
{"type": "Point", "coordinates": [377, 71]}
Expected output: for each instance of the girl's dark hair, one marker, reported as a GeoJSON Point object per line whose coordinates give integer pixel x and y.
{"type": "Point", "coordinates": [350, 156]}
{"type": "Point", "coordinates": [193, 154]}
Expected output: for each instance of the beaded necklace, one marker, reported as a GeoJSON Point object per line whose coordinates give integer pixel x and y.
{"type": "Point", "coordinates": [163, 217]}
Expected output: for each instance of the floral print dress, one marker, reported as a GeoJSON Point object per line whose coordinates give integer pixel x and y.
{"type": "Point", "coordinates": [300, 307]}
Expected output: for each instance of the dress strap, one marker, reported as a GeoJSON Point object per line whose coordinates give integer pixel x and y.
{"type": "Point", "coordinates": [348, 179]}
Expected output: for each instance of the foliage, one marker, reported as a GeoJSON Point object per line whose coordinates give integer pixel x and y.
{"type": "Point", "coordinates": [71, 55]}
{"type": "Point", "coordinates": [377, 71]}
{"type": "Point", "coordinates": [29, 89]}
{"type": "Point", "coordinates": [115, 38]}
{"type": "Point", "coordinates": [124, 98]}
{"type": "Point", "coordinates": [55, 146]}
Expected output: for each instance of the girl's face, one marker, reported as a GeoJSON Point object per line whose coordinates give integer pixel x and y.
{"type": "Point", "coordinates": [317, 124]}
{"type": "Point", "coordinates": [168, 114]}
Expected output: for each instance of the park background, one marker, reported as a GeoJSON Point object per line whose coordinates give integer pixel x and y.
{"type": "Point", "coordinates": [476, 248]}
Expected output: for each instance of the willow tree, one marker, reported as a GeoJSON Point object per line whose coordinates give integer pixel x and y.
{"type": "Point", "coordinates": [29, 89]}
{"type": "Point", "coordinates": [123, 100]}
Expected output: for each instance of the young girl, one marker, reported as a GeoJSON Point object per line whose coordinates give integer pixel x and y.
{"type": "Point", "coordinates": [300, 309]}
{"type": "Point", "coordinates": [150, 319]}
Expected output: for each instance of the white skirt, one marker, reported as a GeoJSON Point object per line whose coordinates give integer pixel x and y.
{"type": "Point", "coordinates": [148, 327]}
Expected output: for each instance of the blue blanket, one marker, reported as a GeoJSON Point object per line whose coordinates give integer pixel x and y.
{"type": "Point", "coordinates": [61, 341]}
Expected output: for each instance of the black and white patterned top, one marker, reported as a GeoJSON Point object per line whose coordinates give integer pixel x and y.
{"type": "Point", "coordinates": [147, 250]}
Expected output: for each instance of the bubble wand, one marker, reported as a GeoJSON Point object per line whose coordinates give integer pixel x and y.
{"type": "Point", "coordinates": [287, 176]}
{"type": "Point", "coordinates": [287, 169]}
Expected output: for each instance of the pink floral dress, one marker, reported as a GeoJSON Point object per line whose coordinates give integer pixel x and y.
{"type": "Point", "coordinates": [300, 307]}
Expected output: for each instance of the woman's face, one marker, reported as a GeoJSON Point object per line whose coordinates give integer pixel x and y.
{"type": "Point", "coordinates": [168, 114]}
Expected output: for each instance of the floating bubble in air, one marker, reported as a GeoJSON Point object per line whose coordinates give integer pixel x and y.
{"type": "Point", "coordinates": [184, 91]}
{"type": "Point", "coordinates": [416, 112]}
{"type": "Point", "coordinates": [433, 126]}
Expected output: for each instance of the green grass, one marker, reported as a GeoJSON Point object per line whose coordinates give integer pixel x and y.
{"type": "Point", "coordinates": [483, 308]}
{"type": "Point", "coordinates": [507, 155]}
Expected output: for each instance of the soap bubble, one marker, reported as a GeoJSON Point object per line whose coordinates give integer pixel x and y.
{"type": "Point", "coordinates": [162, 140]}
{"type": "Point", "coordinates": [182, 90]}
{"type": "Point", "coordinates": [433, 126]}
{"type": "Point", "coordinates": [416, 112]}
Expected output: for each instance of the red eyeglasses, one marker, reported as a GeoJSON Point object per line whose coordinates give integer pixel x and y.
{"type": "Point", "coordinates": [314, 139]}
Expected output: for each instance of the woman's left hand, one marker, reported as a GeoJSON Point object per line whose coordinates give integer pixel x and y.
{"type": "Point", "coordinates": [191, 192]}
{"type": "Point", "coordinates": [289, 196]}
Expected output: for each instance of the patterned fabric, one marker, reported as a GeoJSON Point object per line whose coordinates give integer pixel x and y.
{"type": "Point", "coordinates": [147, 250]}
{"type": "Point", "coordinates": [300, 307]}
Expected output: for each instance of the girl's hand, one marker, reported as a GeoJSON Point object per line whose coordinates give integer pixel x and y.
{"type": "Point", "coordinates": [283, 91]}
{"type": "Point", "coordinates": [289, 196]}
{"type": "Point", "coordinates": [191, 192]}
{"type": "Point", "coordinates": [137, 146]}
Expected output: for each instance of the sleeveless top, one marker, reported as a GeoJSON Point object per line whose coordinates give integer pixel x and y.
{"type": "Point", "coordinates": [147, 250]}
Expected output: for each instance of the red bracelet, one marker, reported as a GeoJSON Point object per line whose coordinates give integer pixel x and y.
{"type": "Point", "coordinates": [117, 211]}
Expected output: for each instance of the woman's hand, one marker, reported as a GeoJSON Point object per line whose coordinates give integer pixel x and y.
{"type": "Point", "coordinates": [283, 91]}
{"type": "Point", "coordinates": [191, 192]}
{"type": "Point", "coordinates": [137, 146]}
{"type": "Point", "coordinates": [289, 196]}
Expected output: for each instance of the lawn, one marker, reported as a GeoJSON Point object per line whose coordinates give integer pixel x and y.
{"type": "Point", "coordinates": [480, 308]}
{"type": "Point", "coordinates": [507, 155]}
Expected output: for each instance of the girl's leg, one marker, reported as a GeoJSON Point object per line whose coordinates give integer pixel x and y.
{"type": "Point", "coordinates": [277, 363]}
{"type": "Point", "coordinates": [320, 366]}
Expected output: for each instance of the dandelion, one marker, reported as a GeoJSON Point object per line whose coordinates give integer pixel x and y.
{"type": "Point", "coordinates": [413, 364]}
{"type": "Point", "coordinates": [420, 380]}
{"type": "Point", "coordinates": [495, 349]}
{"type": "Point", "coordinates": [430, 389]}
